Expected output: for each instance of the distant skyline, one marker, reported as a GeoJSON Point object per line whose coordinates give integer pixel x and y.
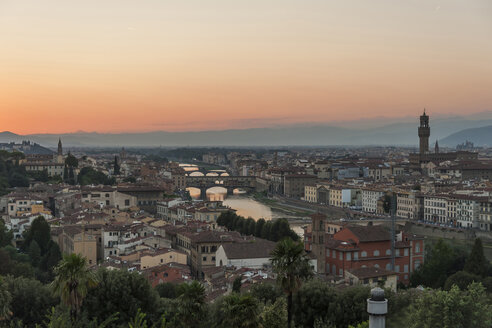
{"type": "Point", "coordinates": [128, 66]}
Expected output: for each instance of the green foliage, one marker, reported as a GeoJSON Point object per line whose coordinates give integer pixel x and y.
{"type": "Point", "coordinates": [11, 173]}
{"type": "Point", "coordinates": [453, 308]}
{"type": "Point", "coordinates": [477, 263]}
{"type": "Point", "coordinates": [236, 285]}
{"type": "Point", "coordinates": [191, 304]}
{"type": "Point", "coordinates": [235, 310]}
{"type": "Point", "coordinates": [291, 265]}
{"type": "Point", "coordinates": [318, 301]}
{"type": "Point", "coordinates": [274, 315]}
{"type": "Point", "coordinates": [5, 299]}
{"type": "Point", "coordinates": [130, 179]}
{"type": "Point", "coordinates": [266, 292]}
{"type": "Point", "coordinates": [116, 166]}
{"type": "Point", "coordinates": [461, 279]}
{"type": "Point", "coordinates": [30, 299]}
{"type": "Point", "coordinates": [364, 324]}
{"type": "Point", "coordinates": [123, 292]}
{"type": "Point", "coordinates": [35, 253]}
{"type": "Point", "coordinates": [40, 232]}
{"type": "Point", "coordinates": [441, 261]}
{"type": "Point", "coordinates": [5, 236]}
{"type": "Point", "coordinates": [272, 230]}
{"type": "Point", "coordinates": [166, 290]}
{"type": "Point", "coordinates": [89, 176]}
{"type": "Point", "coordinates": [71, 161]}
{"type": "Point", "coordinates": [73, 281]}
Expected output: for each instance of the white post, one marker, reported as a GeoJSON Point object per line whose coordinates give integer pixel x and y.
{"type": "Point", "coordinates": [377, 307]}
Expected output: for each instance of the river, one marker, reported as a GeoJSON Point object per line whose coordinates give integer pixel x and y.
{"type": "Point", "coordinates": [245, 206]}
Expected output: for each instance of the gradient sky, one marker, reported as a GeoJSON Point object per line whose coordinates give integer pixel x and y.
{"type": "Point", "coordinates": [178, 65]}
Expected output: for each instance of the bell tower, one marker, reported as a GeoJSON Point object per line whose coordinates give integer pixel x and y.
{"type": "Point", "coordinates": [318, 240]}
{"type": "Point", "coordinates": [424, 133]}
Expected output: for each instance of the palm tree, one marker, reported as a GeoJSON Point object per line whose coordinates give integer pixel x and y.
{"type": "Point", "coordinates": [73, 280]}
{"type": "Point", "coordinates": [191, 302]}
{"type": "Point", "coordinates": [292, 267]}
{"type": "Point", "coordinates": [236, 310]}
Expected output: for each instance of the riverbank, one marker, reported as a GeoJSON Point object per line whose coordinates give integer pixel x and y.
{"type": "Point", "coordinates": [281, 207]}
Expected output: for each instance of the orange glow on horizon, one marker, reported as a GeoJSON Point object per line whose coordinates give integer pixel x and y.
{"type": "Point", "coordinates": [123, 66]}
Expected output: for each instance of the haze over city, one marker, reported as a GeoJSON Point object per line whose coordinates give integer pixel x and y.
{"type": "Point", "coordinates": [126, 66]}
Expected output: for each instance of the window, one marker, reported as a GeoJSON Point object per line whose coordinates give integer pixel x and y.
{"type": "Point", "coordinates": [340, 272]}
{"type": "Point", "coordinates": [340, 256]}
{"type": "Point", "coordinates": [127, 202]}
{"type": "Point", "coordinates": [363, 254]}
{"type": "Point", "coordinates": [356, 255]}
{"type": "Point", "coordinates": [417, 264]}
{"type": "Point", "coordinates": [405, 252]}
{"type": "Point", "coordinates": [166, 274]}
{"type": "Point", "coordinates": [397, 268]}
{"type": "Point", "coordinates": [366, 281]}
{"type": "Point", "coordinates": [162, 261]}
{"type": "Point", "coordinates": [204, 258]}
{"type": "Point", "coordinates": [348, 257]}
{"type": "Point", "coordinates": [388, 266]}
{"type": "Point", "coordinates": [376, 253]}
{"type": "Point", "coordinates": [334, 253]}
{"type": "Point", "coordinates": [397, 252]}
{"type": "Point", "coordinates": [213, 258]}
{"type": "Point", "coordinates": [405, 268]}
{"type": "Point", "coordinates": [388, 252]}
{"type": "Point", "coordinates": [376, 265]}
{"type": "Point", "coordinates": [328, 252]}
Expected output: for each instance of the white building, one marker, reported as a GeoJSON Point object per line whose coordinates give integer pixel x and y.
{"type": "Point", "coordinates": [250, 254]}
{"type": "Point", "coordinates": [370, 199]}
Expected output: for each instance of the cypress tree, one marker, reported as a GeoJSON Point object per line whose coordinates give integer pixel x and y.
{"type": "Point", "coordinates": [476, 262]}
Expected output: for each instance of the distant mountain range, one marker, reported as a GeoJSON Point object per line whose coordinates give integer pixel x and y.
{"type": "Point", "coordinates": [479, 136]}
{"type": "Point", "coordinates": [450, 132]}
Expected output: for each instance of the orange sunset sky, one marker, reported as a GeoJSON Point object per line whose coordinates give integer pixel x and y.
{"type": "Point", "coordinates": [179, 65]}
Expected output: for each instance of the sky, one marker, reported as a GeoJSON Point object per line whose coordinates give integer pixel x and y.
{"type": "Point", "coordinates": [190, 65]}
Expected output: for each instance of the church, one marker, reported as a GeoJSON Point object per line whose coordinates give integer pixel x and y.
{"type": "Point", "coordinates": [424, 156]}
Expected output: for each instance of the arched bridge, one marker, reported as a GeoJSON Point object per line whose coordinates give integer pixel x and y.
{"type": "Point", "coordinates": [228, 182]}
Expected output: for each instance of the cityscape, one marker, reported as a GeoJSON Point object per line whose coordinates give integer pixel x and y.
{"type": "Point", "coordinates": [246, 164]}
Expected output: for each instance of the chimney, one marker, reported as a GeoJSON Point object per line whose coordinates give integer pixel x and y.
{"type": "Point", "coordinates": [377, 307]}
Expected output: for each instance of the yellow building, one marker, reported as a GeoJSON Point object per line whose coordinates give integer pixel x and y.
{"type": "Point", "coordinates": [162, 256]}
{"type": "Point", "coordinates": [76, 240]}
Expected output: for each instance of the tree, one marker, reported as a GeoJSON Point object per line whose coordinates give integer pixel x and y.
{"type": "Point", "coordinates": [274, 315]}
{"type": "Point", "coordinates": [453, 308]}
{"type": "Point", "coordinates": [51, 258]}
{"type": "Point", "coordinates": [235, 310]}
{"type": "Point", "coordinates": [166, 290]}
{"type": "Point", "coordinates": [71, 161]}
{"type": "Point", "coordinates": [461, 279]}
{"type": "Point", "coordinates": [123, 292]}
{"type": "Point", "coordinates": [266, 292]}
{"type": "Point", "coordinates": [5, 236]}
{"type": "Point", "coordinates": [6, 262]}
{"type": "Point", "coordinates": [292, 267]}
{"type": "Point", "coordinates": [72, 282]}
{"type": "Point", "coordinates": [441, 261]}
{"type": "Point", "coordinates": [259, 226]}
{"type": "Point", "coordinates": [35, 253]}
{"type": "Point", "coordinates": [40, 232]}
{"type": "Point", "coordinates": [191, 304]}
{"type": "Point", "coordinates": [116, 166]}
{"type": "Point", "coordinates": [476, 262]}
{"type": "Point", "coordinates": [5, 299]}
{"type": "Point", "coordinates": [30, 299]}
{"type": "Point", "coordinates": [236, 285]}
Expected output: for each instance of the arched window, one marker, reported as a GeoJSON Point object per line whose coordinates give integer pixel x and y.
{"type": "Point", "coordinates": [363, 254]}
{"type": "Point", "coordinates": [376, 252]}
{"type": "Point", "coordinates": [388, 252]}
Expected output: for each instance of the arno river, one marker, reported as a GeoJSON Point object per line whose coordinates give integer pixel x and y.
{"type": "Point", "coordinates": [244, 205]}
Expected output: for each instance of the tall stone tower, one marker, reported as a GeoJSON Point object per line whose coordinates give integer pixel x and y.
{"type": "Point", "coordinates": [59, 155]}
{"type": "Point", "coordinates": [424, 133]}
{"type": "Point", "coordinates": [60, 148]}
{"type": "Point", "coordinates": [318, 240]}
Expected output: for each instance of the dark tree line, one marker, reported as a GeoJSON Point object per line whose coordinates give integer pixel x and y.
{"type": "Point", "coordinates": [273, 230]}
{"type": "Point", "coordinates": [11, 173]}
